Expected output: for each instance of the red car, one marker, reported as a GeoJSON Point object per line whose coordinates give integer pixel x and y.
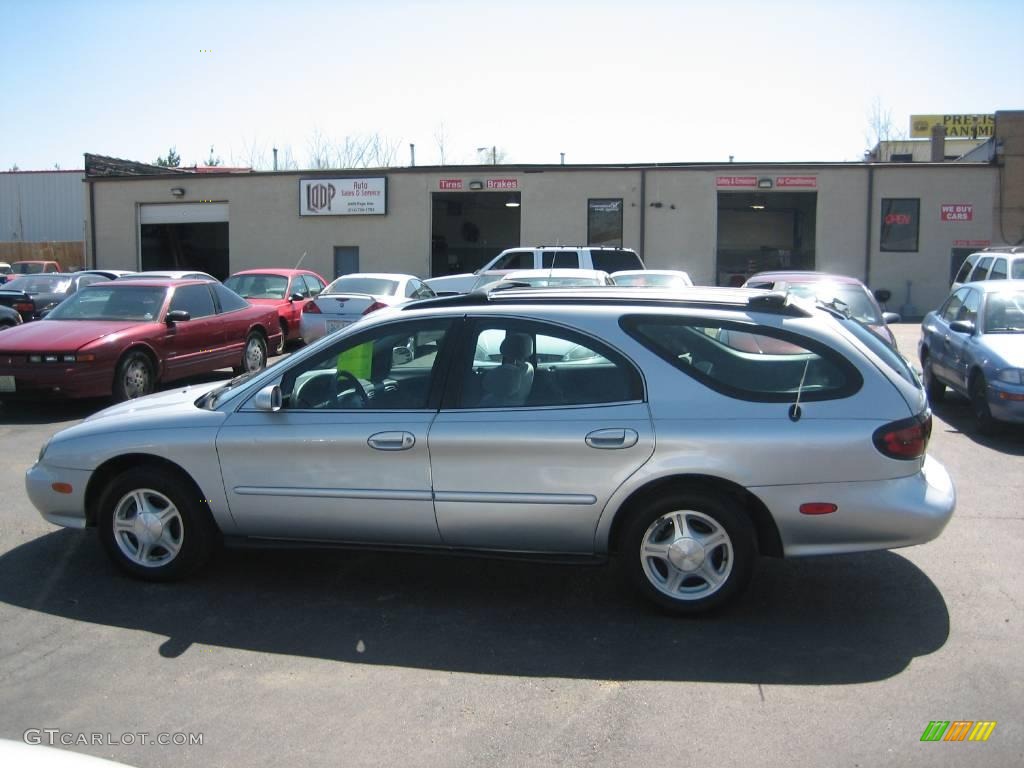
{"type": "Point", "coordinates": [288, 290]}
{"type": "Point", "coordinates": [122, 338]}
{"type": "Point", "coordinates": [20, 268]}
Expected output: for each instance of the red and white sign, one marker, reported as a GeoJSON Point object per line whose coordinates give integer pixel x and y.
{"type": "Point", "coordinates": [796, 181]}
{"type": "Point", "coordinates": [972, 243]}
{"type": "Point", "coordinates": [958, 212]}
{"type": "Point", "coordinates": [450, 184]}
{"type": "Point", "coordinates": [502, 184]}
{"type": "Point", "coordinates": [736, 181]}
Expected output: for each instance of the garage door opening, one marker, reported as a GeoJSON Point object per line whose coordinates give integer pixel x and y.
{"type": "Point", "coordinates": [761, 231]}
{"type": "Point", "coordinates": [468, 229]}
{"type": "Point", "coordinates": [187, 236]}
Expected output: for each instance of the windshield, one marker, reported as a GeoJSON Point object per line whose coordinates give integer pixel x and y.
{"type": "Point", "coordinates": [856, 299]}
{"type": "Point", "coordinates": [27, 267]}
{"type": "Point", "coordinates": [375, 286]}
{"type": "Point", "coordinates": [142, 303]}
{"type": "Point", "coordinates": [652, 281]}
{"type": "Point", "coordinates": [1004, 312]}
{"type": "Point", "coordinates": [258, 286]}
{"type": "Point", "coordinates": [889, 356]}
{"type": "Point", "coordinates": [40, 284]}
{"type": "Point", "coordinates": [552, 282]}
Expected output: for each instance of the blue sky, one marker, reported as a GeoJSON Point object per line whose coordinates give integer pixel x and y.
{"type": "Point", "coordinates": [603, 82]}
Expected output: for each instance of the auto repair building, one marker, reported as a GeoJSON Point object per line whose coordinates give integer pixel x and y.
{"type": "Point", "coordinates": [900, 226]}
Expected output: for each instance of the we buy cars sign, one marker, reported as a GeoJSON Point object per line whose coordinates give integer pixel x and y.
{"type": "Point", "coordinates": [957, 212]}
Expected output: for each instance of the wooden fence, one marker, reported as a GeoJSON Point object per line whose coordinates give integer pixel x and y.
{"type": "Point", "coordinates": [69, 255]}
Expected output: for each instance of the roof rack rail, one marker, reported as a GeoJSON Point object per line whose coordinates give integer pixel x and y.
{"type": "Point", "coordinates": [775, 302]}
{"type": "Point", "coordinates": [1003, 249]}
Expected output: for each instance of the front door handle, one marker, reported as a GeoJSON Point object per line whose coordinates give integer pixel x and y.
{"type": "Point", "coordinates": [391, 441]}
{"type": "Point", "coordinates": [612, 438]}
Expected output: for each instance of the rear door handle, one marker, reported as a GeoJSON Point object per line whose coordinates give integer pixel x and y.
{"type": "Point", "coordinates": [612, 438]}
{"type": "Point", "coordinates": [391, 441]}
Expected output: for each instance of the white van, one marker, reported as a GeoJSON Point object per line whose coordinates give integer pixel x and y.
{"type": "Point", "coordinates": [997, 263]}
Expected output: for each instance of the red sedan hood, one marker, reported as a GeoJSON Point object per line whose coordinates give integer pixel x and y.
{"type": "Point", "coordinates": [59, 335]}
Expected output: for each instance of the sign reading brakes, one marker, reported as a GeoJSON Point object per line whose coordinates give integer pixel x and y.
{"type": "Point", "coordinates": [343, 197]}
{"type": "Point", "coordinates": [957, 126]}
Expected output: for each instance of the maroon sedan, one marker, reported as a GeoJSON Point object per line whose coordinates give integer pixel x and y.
{"type": "Point", "coordinates": [287, 290]}
{"type": "Point", "coordinates": [122, 338]}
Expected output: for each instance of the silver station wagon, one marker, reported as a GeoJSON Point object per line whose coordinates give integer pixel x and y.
{"type": "Point", "coordinates": [686, 434]}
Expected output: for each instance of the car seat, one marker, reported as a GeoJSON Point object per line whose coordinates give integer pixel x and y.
{"type": "Point", "coordinates": [510, 383]}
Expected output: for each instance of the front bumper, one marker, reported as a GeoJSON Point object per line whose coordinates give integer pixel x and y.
{"type": "Point", "coordinates": [883, 514]}
{"type": "Point", "coordinates": [38, 380]}
{"type": "Point", "coordinates": [1006, 402]}
{"type": "Point", "coordinates": [66, 509]}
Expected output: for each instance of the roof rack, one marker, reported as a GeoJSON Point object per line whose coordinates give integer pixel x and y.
{"type": "Point", "coordinates": [1003, 249]}
{"type": "Point", "coordinates": [774, 302]}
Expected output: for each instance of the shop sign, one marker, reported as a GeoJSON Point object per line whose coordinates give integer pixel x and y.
{"type": "Point", "coordinates": [972, 243]}
{"type": "Point", "coordinates": [957, 126]}
{"type": "Point", "coordinates": [736, 181]}
{"type": "Point", "coordinates": [957, 212]}
{"type": "Point", "coordinates": [502, 184]}
{"type": "Point", "coordinates": [453, 185]}
{"type": "Point", "coordinates": [796, 181]}
{"type": "Point", "coordinates": [343, 197]}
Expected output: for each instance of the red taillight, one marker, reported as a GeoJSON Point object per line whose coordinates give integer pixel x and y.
{"type": "Point", "coordinates": [374, 307]}
{"type": "Point", "coordinates": [22, 307]}
{"type": "Point", "coordinates": [905, 439]}
{"type": "Point", "coordinates": [311, 308]}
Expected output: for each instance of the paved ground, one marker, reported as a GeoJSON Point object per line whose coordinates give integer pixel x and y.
{"type": "Point", "coordinates": [366, 659]}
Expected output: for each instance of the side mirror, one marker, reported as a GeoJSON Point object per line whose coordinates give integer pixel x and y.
{"type": "Point", "coordinates": [891, 317]}
{"type": "Point", "coordinates": [882, 295]}
{"type": "Point", "coordinates": [177, 316]}
{"type": "Point", "coordinates": [296, 297]}
{"type": "Point", "coordinates": [962, 326]}
{"type": "Point", "coordinates": [401, 356]}
{"type": "Point", "coordinates": [268, 399]}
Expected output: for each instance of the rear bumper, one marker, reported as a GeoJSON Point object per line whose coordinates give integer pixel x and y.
{"type": "Point", "coordinates": [57, 380]}
{"type": "Point", "coordinates": [67, 509]}
{"type": "Point", "coordinates": [884, 514]}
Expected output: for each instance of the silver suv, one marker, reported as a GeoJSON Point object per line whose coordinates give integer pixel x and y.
{"type": "Point", "coordinates": [603, 258]}
{"type": "Point", "coordinates": [998, 263]}
{"type": "Point", "coordinates": [687, 434]}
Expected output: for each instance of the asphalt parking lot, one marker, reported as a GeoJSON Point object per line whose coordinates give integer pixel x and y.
{"type": "Point", "coordinates": [341, 658]}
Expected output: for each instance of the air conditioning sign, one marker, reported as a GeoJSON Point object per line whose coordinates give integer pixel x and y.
{"type": "Point", "coordinates": [343, 197]}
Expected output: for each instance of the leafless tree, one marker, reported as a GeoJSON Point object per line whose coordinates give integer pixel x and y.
{"type": "Point", "coordinates": [252, 155]}
{"type": "Point", "coordinates": [441, 139]}
{"type": "Point", "coordinates": [319, 151]}
{"type": "Point", "coordinates": [491, 155]}
{"type": "Point", "coordinates": [880, 126]}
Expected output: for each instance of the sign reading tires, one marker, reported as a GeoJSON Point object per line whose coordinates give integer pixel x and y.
{"type": "Point", "coordinates": [343, 197]}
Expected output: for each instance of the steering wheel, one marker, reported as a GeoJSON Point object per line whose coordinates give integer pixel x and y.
{"type": "Point", "coordinates": [357, 388]}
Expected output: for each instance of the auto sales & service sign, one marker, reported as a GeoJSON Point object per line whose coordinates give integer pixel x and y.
{"type": "Point", "coordinates": [343, 197]}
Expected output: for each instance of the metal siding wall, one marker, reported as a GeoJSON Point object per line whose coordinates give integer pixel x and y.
{"type": "Point", "coordinates": [40, 207]}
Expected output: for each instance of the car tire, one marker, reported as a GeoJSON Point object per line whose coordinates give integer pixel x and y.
{"type": "Point", "coordinates": [254, 354]}
{"type": "Point", "coordinates": [153, 525]}
{"type": "Point", "coordinates": [936, 389]}
{"type": "Point", "coordinates": [705, 568]}
{"type": "Point", "coordinates": [979, 404]}
{"type": "Point", "coordinates": [134, 377]}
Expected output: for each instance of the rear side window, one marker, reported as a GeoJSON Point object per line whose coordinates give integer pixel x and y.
{"type": "Point", "coordinates": [615, 261]}
{"type": "Point", "coordinates": [1017, 269]}
{"type": "Point", "coordinates": [229, 300]}
{"type": "Point", "coordinates": [560, 259]}
{"type": "Point", "coordinates": [747, 362]}
{"type": "Point", "coordinates": [998, 271]}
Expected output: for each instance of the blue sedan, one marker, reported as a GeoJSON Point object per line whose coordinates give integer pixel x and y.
{"type": "Point", "coordinates": [974, 344]}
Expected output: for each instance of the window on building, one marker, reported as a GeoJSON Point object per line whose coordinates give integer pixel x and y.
{"type": "Point", "coordinates": [604, 221]}
{"type": "Point", "coordinates": [900, 221]}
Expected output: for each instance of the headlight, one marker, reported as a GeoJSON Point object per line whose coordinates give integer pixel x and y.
{"type": "Point", "coordinates": [42, 451]}
{"type": "Point", "coordinates": [1011, 376]}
